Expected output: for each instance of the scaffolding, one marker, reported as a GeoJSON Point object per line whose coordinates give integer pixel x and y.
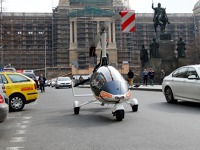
{"type": "Point", "coordinates": [24, 34]}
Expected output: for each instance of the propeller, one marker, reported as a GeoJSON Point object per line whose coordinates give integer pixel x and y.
{"type": "Point", "coordinates": [82, 82]}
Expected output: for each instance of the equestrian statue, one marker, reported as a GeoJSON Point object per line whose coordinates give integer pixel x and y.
{"type": "Point", "coordinates": [160, 18]}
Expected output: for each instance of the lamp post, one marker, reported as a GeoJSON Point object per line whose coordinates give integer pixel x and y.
{"type": "Point", "coordinates": [45, 53]}
{"type": "Point", "coordinates": [1, 36]}
{"type": "Point", "coordinates": [45, 58]}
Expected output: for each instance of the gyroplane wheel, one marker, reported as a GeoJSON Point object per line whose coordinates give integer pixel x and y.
{"type": "Point", "coordinates": [119, 115]}
{"type": "Point", "coordinates": [76, 110]}
{"type": "Point", "coordinates": [134, 108]}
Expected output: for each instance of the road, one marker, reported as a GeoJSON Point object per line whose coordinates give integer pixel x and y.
{"type": "Point", "coordinates": [50, 124]}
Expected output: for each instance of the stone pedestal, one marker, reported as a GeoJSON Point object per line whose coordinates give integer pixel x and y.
{"type": "Point", "coordinates": [182, 62]}
{"type": "Point", "coordinates": [166, 49]}
{"type": "Point", "coordinates": [155, 63]}
{"type": "Point", "coordinates": [166, 60]}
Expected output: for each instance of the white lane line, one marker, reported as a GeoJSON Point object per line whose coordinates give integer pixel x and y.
{"type": "Point", "coordinates": [14, 148]}
{"type": "Point", "coordinates": [20, 117]}
{"type": "Point", "coordinates": [18, 139]}
{"type": "Point", "coordinates": [30, 117]}
{"type": "Point", "coordinates": [25, 122]}
{"type": "Point", "coordinates": [24, 126]}
{"type": "Point", "coordinates": [20, 131]}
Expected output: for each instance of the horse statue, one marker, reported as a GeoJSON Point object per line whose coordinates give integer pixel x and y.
{"type": "Point", "coordinates": [161, 20]}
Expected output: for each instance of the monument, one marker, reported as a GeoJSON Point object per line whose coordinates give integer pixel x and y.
{"type": "Point", "coordinates": [162, 47]}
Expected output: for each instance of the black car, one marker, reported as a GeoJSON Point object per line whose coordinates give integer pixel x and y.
{"type": "Point", "coordinates": [32, 76]}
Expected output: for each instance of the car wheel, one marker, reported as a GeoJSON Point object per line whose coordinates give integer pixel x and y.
{"type": "Point", "coordinates": [169, 95]}
{"type": "Point", "coordinates": [17, 103]}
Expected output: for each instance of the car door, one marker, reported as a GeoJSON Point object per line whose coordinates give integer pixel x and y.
{"type": "Point", "coordinates": [177, 82]}
{"type": "Point", "coordinates": [191, 86]}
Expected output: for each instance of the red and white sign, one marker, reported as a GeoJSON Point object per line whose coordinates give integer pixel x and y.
{"type": "Point", "coordinates": [128, 20]}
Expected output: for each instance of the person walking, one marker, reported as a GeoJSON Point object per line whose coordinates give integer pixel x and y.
{"type": "Point", "coordinates": [162, 75]}
{"type": "Point", "coordinates": [42, 80]}
{"type": "Point", "coordinates": [151, 76]}
{"type": "Point", "coordinates": [145, 75]}
{"type": "Point", "coordinates": [130, 77]}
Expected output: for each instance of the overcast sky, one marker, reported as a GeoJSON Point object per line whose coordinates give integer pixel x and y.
{"type": "Point", "coordinates": [140, 6]}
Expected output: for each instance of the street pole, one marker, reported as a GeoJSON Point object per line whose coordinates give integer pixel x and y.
{"type": "Point", "coordinates": [1, 36]}
{"type": "Point", "coordinates": [45, 58]}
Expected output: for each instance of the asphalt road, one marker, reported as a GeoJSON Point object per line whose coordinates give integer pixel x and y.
{"type": "Point", "coordinates": [50, 124]}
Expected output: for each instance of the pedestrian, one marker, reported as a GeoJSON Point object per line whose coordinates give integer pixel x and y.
{"type": "Point", "coordinates": [42, 80]}
{"type": "Point", "coordinates": [145, 75]}
{"type": "Point", "coordinates": [80, 78]}
{"type": "Point", "coordinates": [151, 76]}
{"type": "Point", "coordinates": [130, 77]}
{"type": "Point", "coordinates": [162, 75]}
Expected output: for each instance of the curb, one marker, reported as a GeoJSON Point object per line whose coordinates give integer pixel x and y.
{"type": "Point", "coordinates": [131, 88]}
{"type": "Point", "coordinates": [147, 89]}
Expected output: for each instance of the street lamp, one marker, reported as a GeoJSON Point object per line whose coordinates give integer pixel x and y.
{"type": "Point", "coordinates": [45, 58]}
{"type": "Point", "coordinates": [45, 54]}
{"type": "Point", "coordinates": [1, 36]}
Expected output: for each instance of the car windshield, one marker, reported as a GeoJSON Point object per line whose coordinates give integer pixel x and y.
{"type": "Point", "coordinates": [64, 79]}
{"type": "Point", "coordinates": [17, 78]}
{"type": "Point", "coordinates": [29, 75]}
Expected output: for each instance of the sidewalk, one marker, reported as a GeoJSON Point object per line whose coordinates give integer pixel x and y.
{"type": "Point", "coordinates": [148, 88]}
{"type": "Point", "coordinates": [157, 88]}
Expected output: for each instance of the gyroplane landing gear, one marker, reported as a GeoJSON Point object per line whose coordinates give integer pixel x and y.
{"type": "Point", "coordinates": [76, 107]}
{"type": "Point", "coordinates": [119, 112]}
{"type": "Point", "coordinates": [134, 104]}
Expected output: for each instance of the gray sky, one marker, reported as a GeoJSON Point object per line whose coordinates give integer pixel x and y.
{"type": "Point", "coordinates": [140, 6]}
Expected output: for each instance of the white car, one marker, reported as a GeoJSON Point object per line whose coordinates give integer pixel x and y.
{"type": "Point", "coordinates": [63, 82]}
{"type": "Point", "coordinates": [182, 84]}
{"type": "Point", "coordinates": [3, 104]}
{"type": "Point", "coordinates": [52, 82]}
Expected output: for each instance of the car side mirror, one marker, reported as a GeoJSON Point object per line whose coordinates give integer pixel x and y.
{"type": "Point", "coordinates": [192, 77]}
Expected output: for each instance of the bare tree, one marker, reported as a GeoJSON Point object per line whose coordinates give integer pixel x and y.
{"type": "Point", "coordinates": [193, 52]}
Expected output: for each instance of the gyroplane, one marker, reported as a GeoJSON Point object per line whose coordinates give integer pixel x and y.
{"type": "Point", "coordinates": [107, 84]}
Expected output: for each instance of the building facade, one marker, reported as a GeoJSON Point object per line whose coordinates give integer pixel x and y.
{"type": "Point", "coordinates": [62, 38]}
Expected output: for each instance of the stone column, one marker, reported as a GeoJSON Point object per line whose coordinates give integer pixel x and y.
{"type": "Point", "coordinates": [98, 45]}
{"type": "Point", "coordinates": [75, 34]}
{"type": "Point", "coordinates": [109, 38]}
{"type": "Point", "coordinates": [71, 37]}
{"type": "Point", "coordinates": [114, 40]}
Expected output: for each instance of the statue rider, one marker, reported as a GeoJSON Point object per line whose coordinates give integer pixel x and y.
{"type": "Point", "coordinates": [157, 11]}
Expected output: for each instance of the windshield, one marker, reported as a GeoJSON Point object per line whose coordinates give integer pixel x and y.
{"type": "Point", "coordinates": [64, 79]}
{"type": "Point", "coordinates": [109, 74]}
{"type": "Point", "coordinates": [17, 78]}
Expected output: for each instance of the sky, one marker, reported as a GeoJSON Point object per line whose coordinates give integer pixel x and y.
{"type": "Point", "coordinates": [140, 6]}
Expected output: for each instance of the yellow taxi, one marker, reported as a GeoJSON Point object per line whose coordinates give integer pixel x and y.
{"type": "Point", "coordinates": [19, 88]}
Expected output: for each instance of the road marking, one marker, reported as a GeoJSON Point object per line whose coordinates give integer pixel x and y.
{"type": "Point", "coordinates": [27, 117]}
{"type": "Point", "coordinates": [14, 148]}
{"type": "Point", "coordinates": [25, 122]}
{"type": "Point", "coordinates": [23, 126]}
{"type": "Point", "coordinates": [19, 117]}
{"type": "Point", "coordinates": [20, 131]}
{"type": "Point", "coordinates": [18, 139]}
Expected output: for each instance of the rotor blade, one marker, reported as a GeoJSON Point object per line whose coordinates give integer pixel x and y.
{"type": "Point", "coordinates": [82, 82]}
